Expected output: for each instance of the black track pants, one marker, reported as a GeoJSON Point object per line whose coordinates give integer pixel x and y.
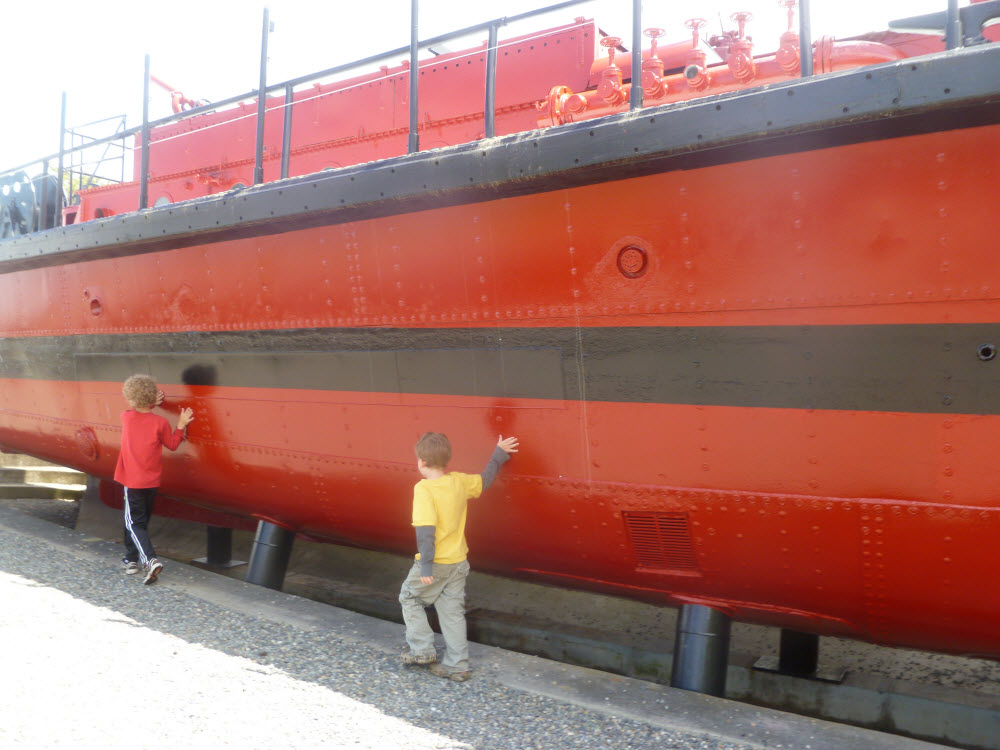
{"type": "Point", "coordinates": [138, 511]}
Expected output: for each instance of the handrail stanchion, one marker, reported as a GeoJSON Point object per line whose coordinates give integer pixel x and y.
{"type": "Point", "coordinates": [286, 132]}
{"type": "Point", "coordinates": [491, 82]}
{"type": "Point", "coordinates": [414, 144]}
{"type": "Point", "coordinates": [258, 169]}
{"type": "Point", "coordinates": [43, 219]}
{"type": "Point", "coordinates": [635, 96]}
{"type": "Point", "coordinates": [805, 40]}
{"type": "Point", "coordinates": [953, 27]}
{"type": "Point", "coordinates": [391, 54]}
{"type": "Point", "coordinates": [62, 150]}
{"type": "Point", "coordinates": [144, 151]}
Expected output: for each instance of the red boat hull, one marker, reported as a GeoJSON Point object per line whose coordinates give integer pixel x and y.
{"type": "Point", "coordinates": [760, 377]}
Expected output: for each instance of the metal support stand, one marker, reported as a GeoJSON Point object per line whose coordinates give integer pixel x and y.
{"type": "Point", "coordinates": [798, 653]}
{"type": "Point", "coordinates": [701, 650]}
{"type": "Point", "coordinates": [219, 545]}
{"type": "Point", "coordinates": [798, 656]}
{"type": "Point", "coordinates": [272, 548]}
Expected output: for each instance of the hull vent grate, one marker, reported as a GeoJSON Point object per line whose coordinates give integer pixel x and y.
{"type": "Point", "coordinates": [661, 540]}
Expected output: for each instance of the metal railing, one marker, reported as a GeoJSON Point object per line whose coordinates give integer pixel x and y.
{"type": "Point", "coordinates": [954, 19]}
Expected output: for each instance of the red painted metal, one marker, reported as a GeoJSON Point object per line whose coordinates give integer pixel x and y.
{"type": "Point", "coordinates": [699, 79]}
{"type": "Point", "coordinates": [868, 524]}
{"type": "Point", "coordinates": [357, 120]}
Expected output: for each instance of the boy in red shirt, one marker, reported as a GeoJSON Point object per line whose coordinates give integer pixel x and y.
{"type": "Point", "coordinates": [140, 466]}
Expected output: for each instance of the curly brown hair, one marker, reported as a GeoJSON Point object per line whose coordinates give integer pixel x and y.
{"type": "Point", "coordinates": [433, 449]}
{"type": "Point", "coordinates": [140, 391]}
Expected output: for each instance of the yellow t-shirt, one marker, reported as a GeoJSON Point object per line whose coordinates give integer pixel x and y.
{"type": "Point", "coordinates": [443, 503]}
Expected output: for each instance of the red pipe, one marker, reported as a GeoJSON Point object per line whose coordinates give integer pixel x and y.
{"type": "Point", "coordinates": [563, 105]}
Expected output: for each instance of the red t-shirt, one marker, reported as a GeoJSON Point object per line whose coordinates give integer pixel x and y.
{"type": "Point", "coordinates": [140, 462]}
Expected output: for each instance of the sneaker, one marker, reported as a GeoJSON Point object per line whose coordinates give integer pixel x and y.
{"type": "Point", "coordinates": [153, 568]}
{"type": "Point", "coordinates": [131, 568]}
{"type": "Point", "coordinates": [440, 670]}
{"type": "Point", "coordinates": [408, 657]}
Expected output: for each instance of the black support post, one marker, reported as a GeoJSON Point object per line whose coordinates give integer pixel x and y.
{"type": "Point", "coordinates": [701, 650]}
{"type": "Point", "coordinates": [798, 653]}
{"type": "Point", "coordinates": [272, 548]}
{"type": "Point", "coordinates": [219, 546]}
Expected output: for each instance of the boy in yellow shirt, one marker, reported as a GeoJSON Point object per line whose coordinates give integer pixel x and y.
{"type": "Point", "coordinates": [440, 504]}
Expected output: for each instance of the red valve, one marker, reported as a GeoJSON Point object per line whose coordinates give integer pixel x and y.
{"type": "Point", "coordinates": [653, 34]}
{"type": "Point", "coordinates": [610, 88]}
{"type": "Point", "coordinates": [694, 71]}
{"type": "Point", "coordinates": [741, 17]}
{"type": "Point", "coordinates": [790, 5]}
{"type": "Point", "coordinates": [741, 63]}
{"type": "Point", "coordinates": [696, 25]}
{"type": "Point", "coordinates": [788, 51]}
{"type": "Point", "coordinates": [652, 69]}
{"type": "Point", "coordinates": [610, 43]}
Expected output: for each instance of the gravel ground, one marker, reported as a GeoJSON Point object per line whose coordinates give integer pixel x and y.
{"type": "Point", "coordinates": [60, 512]}
{"type": "Point", "coordinates": [95, 659]}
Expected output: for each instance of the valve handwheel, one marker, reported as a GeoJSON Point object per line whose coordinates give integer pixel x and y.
{"type": "Point", "coordinates": [696, 25]}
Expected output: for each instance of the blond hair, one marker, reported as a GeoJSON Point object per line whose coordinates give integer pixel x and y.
{"type": "Point", "coordinates": [434, 450]}
{"type": "Point", "coordinates": [140, 391]}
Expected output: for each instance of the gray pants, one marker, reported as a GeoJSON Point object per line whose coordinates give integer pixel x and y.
{"type": "Point", "coordinates": [447, 594]}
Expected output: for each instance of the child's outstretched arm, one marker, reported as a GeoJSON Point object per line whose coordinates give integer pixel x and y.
{"type": "Point", "coordinates": [501, 455]}
{"type": "Point", "coordinates": [172, 438]}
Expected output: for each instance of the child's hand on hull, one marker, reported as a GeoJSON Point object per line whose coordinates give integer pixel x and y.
{"type": "Point", "coordinates": [186, 418]}
{"type": "Point", "coordinates": [507, 445]}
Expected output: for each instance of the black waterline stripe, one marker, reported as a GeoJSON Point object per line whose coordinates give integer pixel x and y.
{"type": "Point", "coordinates": [896, 368]}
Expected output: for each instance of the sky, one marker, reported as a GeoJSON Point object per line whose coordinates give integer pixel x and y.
{"type": "Point", "coordinates": [93, 50]}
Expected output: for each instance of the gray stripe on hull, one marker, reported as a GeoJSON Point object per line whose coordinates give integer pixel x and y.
{"type": "Point", "coordinates": [894, 368]}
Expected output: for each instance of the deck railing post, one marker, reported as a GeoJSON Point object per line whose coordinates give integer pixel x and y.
{"type": "Point", "coordinates": [258, 169]}
{"type": "Point", "coordinates": [491, 82]}
{"type": "Point", "coordinates": [286, 132]}
{"type": "Point", "coordinates": [43, 220]}
{"type": "Point", "coordinates": [414, 144]}
{"type": "Point", "coordinates": [144, 147]}
{"type": "Point", "coordinates": [953, 28]}
{"type": "Point", "coordinates": [805, 40]}
{"type": "Point", "coordinates": [62, 151]}
{"type": "Point", "coordinates": [635, 96]}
